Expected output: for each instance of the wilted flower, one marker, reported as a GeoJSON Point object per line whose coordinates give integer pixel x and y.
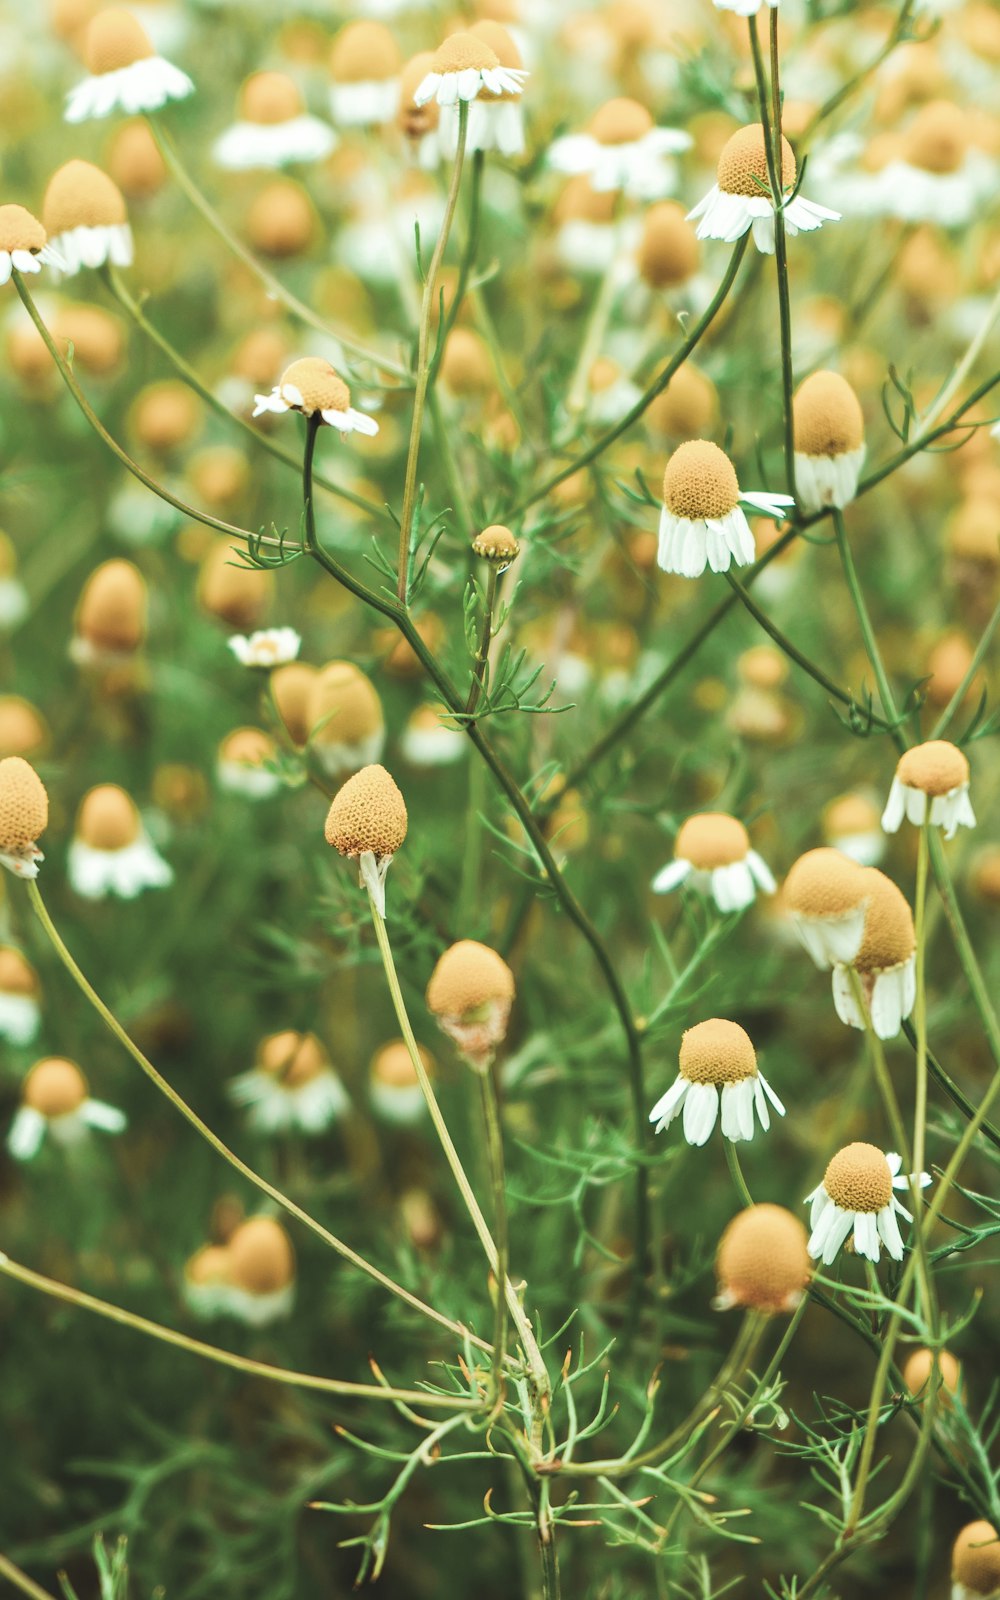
{"type": "Point", "coordinates": [856, 1197]}
{"type": "Point", "coordinates": [126, 74]}
{"type": "Point", "coordinates": [702, 522]}
{"type": "Point", "coordinates": [931, 785]}
{"type": "Point", "coordinates": [55, 1101]}
{"type": "Point", "coordinates": [885, 962]}
{"type": "Point", "coordinates": [462, 68]}
{"type": "Point", "coordinates": [24, 813]}
{"type": "Point", "coordinates": [23, 243]}
{"type": "Point", "coordinates": [826, 894]}
{"type": "Point", "coordinates": [470, 993]}
{"type": "Point", "coordinates": [712, 852]}
{"type": "Point", "coordinates": [273, 129]}
{"type": "Point", "coordinates": [267, 648]}
{"type": "Point", "coordinates": [741, 199]}
{"type": "Point", "coordinates": [85, 217]}
{"type": "Point", "coordinates": [718, 1065]}
{"type": "Point", "coordinates": [829, 441]}
{"type": "Point", "coordinates": [367, 823]}
{"type": "Point", "coordinates": [497, 545]}
{"type": "Point", "coordinates": [312, 387]}
{"type": "Point", "coordinates": [622, 149]}
{"type": "Point", "coordinates": [292, 1085]}
{"type": "Point", "coordinates": [762, 1262]}
{"type": "Point", "coordinates": [20, 1012]}
{"type": "Point", "coordinates": [111, 852]}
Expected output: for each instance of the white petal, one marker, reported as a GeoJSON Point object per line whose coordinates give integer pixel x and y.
{"type": "Point", "coordinates": [671, 876]}
{"type": "Point", "coordinates": [668, 1105]}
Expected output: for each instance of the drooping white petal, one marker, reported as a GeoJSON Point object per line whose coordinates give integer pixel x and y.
{"type": "Point", "coordinates": [670, 876]}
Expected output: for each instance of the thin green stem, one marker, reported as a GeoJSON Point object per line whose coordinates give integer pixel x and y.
{"type": "Point", "coordinates": [965, 366]}
{"type": "Point", "coordinates": [468, 258]}
{"type": "Point", "coordinates": [524, 1330]}
{"type": "Point", "coordinates": [20, 1580]}
{"type": "Point", "coordinates": [485, 639]}
{"type": "Point", "coordinates": [736, 1173]}
{"type": "Point", "coordinates": [494, 1145]}
{"type": "Point", "coordinates": [273, 285]}
{"type": "Point", "coordinates": [222, 1149]}
{"type": "Point", "coordinates": [920, 1004]}
{"type": "Point", "coordinates": [781, 261]}
{"type": "Point", "coordinates": [224, 1358]}
{"type": "Point", "coordinates": [117, 288]}
{"type": "Point", "coordinates": [423, 373]}
{"type": "Point", "coordinates": [868, 632]}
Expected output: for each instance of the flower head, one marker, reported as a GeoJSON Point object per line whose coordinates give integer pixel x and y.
{"type": "Point", "coordinates": [857, 1197]}
{"type": "Point", "coordinates": [312, 387]}
{"type": "Point", "coordinates": [622, 149]}
{"type": "Point", "coordinates": [418, 121]}
{"type": "Point", "coordinates": [851, 825]}
{"type": "Point", "coordinates": [111, 852]}
{"type": "Point", "coordinates": [938, 177]}
{"type": "Point", "coordinates": [931, 785]}
{"type": "Point", "coordinates": [702, 522]}
{"type": "Point", "coordinates": [273, 128]}
{"type": "Point", "coordinates": [669, 252]}
{"type": "Point", "coordinates": [396, 1094]}
{"type": "Point", "coordinates": [367, 823]}
{"type": "Point", "coordinates": [462, 68]}
{"type": "Point", "coordinates": [826, 894]}
{"type": "Point", "coordinates": [24, 813]}
{"type": "Point", "coordinates": [20, 991]}
{"type": "Point", "coordinates": [762, 1261]}
{"type": "Point", "coordinates": [260, 1272]}
{"type": "Point", "coordinates": [23, 243]}
{"type": "Point", "coordinates": [291, 1085]}
{"type": "Point", "coordinates": [885, 962]}
{"type": "Point", "coordinates": [741, 198]}
{"type": "Point", "coordinates": [55, 1100]}
{"type": "Point", "coordinates": [85, 217]}
{"type": "Point", "coordinates": [975, 1562]}
{"type": "Point", "coordinates": [267, 648]}
{"type": "Point", "coordinates": [829, 430]}
{"type": "Point", "coordinates": [246, 764]}
{"type": "Point", "coordinates": [712, 852]}
{"type": "Point", "coordinates": [291, 688]}
{"type": "Point", "coordinates": [126, 74]}
{"type": "Point", "coordinates": [470, 992]}
{"type": "Point", "coordinates": [919, 1367]}
{"type": "Point", "coordinates": [718, 1064]}
{"type": "Point", "coordinates": [497, 545]}
{"type": "Point", "coordinates": [365, 66]}
{"type": "Point", "coordinates": [346, 723]}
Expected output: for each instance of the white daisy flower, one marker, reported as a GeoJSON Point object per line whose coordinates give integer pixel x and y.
{"type": "Point", "coordinates": [273, 129]}
{"type": "Point", "coordinates": [20, 1011]}
{"type": "Point", "coordinates": [427, 741]}
{"type": "Point", "coordinates": [885, 963]}
{"type": "Point", "coordinates": [931, 784]}
{"type": "Point", "coordinates": [702, 522]}
{"type": "Point", "coordinates": [125, 72]}
{"type": "Point", "coordinates": [293, 1085]}
{"type": "Point", "coordinates": [462, 68]}
{"type": "Point", "coordinates": [496, 121]}
{"type": "Point", "coordinates": [829, 436]}
{"type": "Point", "coordinates": [856, 1198]}
{"type": "Point", "coordinates": [826, 894]}
{"type": "Point", "coordinates": [851, 824]}
{"type": "Point", "coordinates": [718, 1067]}
{"type": "Point", "coordinates": [312, 387]}
{"type": "Point", "coordinates": [260, 1273]}
{"type": "Point", "coordinates": [267, 648]}
{"type": "Point", "coordinates": [712, 853]}
{"type": "Point", "coordinates": [205, 1285]}
{"type": "Point", "coordinates": [111, 852]}
{"type": "Point", "coordinates": [23, 244]}
{"type": "Point", "coordinates": [741, 199]}
{"type": "Point", "coordinates": [245, 764]}
{"type": "Point", "coordinates": [419, 124]}
{"type": "Point", "coordinates": [395, 1092]}
{"type": "Point", "coordinates": [365, 66]}
{"type": "Point", "coordinates": [56, 1104]}
{"type": "Point", "coordinates": [24, 814]}
{"type": "Point", "coordinates": [84, 215]}
{"type": "Point", "coordinates": [940, 179]}
{"type": "Point", "coordinates": [622, 150]}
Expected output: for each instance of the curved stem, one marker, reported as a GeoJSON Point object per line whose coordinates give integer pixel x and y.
{"type": "Point", "coordinates": [117, 288]}
{"type": "Point", "coordinates": [222, 1149]}
{"type": "Point", "coordinates": [423, 376]}
{"type": "Point", "coordinates": [224, 1358]}
{"type": "Point", "coordinates": [275, 288]}
{"type": "Point", "coordinates": [736, 1172]}
{"type": "Point", "coordinates": [920, 1004]}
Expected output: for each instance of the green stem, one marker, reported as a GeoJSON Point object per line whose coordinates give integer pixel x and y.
{"type": "Point", "coordinates": [920, 1004]}
{"type": "Point", "coordinates": [468, 259]}
{"type": "Point", "coordinates": [191, 1116]}
{"type": "Point", "coordinates": [117, 288]}
{"type": "Point", "coordinates": [524, 1330]}
{"type": "Point", "coordinates": [273, 285]}
{"type": "Point", "coordinates": [224, 1358]}
{"type": "Point", "coordinates": [20, 1580]}
{"type": "Point", "coordinates": [423, 375]}
{"type": "Point", "coordinates": [494, 1144]}
{"type": "Point", "coordinates": [868, 632]}
{"type": "Point", "coordinates": [736, 1172]}
{"type": "Point", "coordinates": [485, 639]}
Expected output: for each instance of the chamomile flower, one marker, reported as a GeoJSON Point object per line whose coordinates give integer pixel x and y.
{"type": "Point", "coordinates": [462, 68]}
{"type": "Point", "coordinates": [365, 66]}
{"type": "Point", "coordinates": [919, 1366]}
{"type": "Point", "coordinates": [24, 813]}
{"type": "Point", "coordinates": [23, 243]}
{"type": "Point", "coordinates": [702, 522]}
{"type": "Point", "coordinates": [718, 1068]}
{"type": "Point", "coordinates": [826, 894]}
{"type": "Point", "coordinates": [367, 823]}
{"type": "Point", "coordinates": [84, 215]}
{"type": "Point", "coordinates": [885, 963]}
{"type": "Point", "coordinates": [712, 852]}
{"type": "Point", "coordinates": [428, 740]}
{"type": "Point", "coordinates": [762, 1262]}
{"type": "Point", "coordinates": [496, 120]}
{"type": "Point", "coordinates": [126, 74]}
{"type": "Point", "coordinates": [940, 178]}
{"type": "Point", "coordinates": [931, 784]}
{"type": "Point", "coordinates": [260, 1272]}
{"type": "Point", "coordinates": [292, 1085]}
{"type": "Point", "coordinates": [740, 200]}
{"type": "Point", "coordinates": [273, 128]}
{"type": "Point", "coordinates": [312, 387]}
{"type": "Point", "coordinates": [291, 688]}
{"type": "Point", "coordinates": [851, 824]}
{"type": "Point", "coordinates": [395, 1092]}
{"type": "Point", "coordinates": [346, 723]}
{"type": "Point", "coordinates": [419, 123]}
{"type": "Point", "coordinates": [975, 1563]}
{"type": "Point", "coordinates": [56, 1103]}
{"type": "Point", "coordinates": [111, 852]}
{"type": "Point", "coordinates": [20, 1011]}
{"type": "Point", "coordinates": [246, 764]}
{"type": "Point", "coordinates": [470, 993]}
{"type": "Point", "coordinates": [622, 150]}
{"type": "Point", "coordinates": [857, 1198]}
{"type": "Point", "coordinates": [829, 436]}
{"type": "Point", "coordinates": [267, 648]}
{"type": "Point", "coordinates": [745, 8]}
{"type": "Point", "coordinates": [111, 616]}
